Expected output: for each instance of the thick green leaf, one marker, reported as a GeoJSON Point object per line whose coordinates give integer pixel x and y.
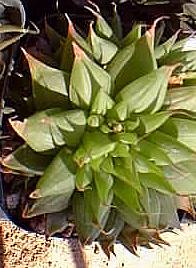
{"type": "Point", "coordinates": [83, 218]}
{"type": "Point", "coordinates": [131, 125]}
{"type": "Point", "coordinates": [107, 165]}
{"type": "Point", "coordinates": [156, 182]}
{"type": "Point", "coordinates": [94, 78]}
{"type": "Point", "coordinates": [58, 178]}
{"type": "Point", "coordinates": [102, 27]}
{"type": "Point", "coordinates": [90, 215]}
{"type": "Point", "coordinates": [48, 204]}
{"type": "Point", "coordinates": [117, 24]}
{"type": "Point", "coordinates": [83, 177]}
{"type": "Point", "coordinates": [80, 87]}
{"type": "Point", "coordinates": [27, 161]}
{"type": "Point", "coordinates": [154, 121]}
{"type": "Point", "coordinates": [154, 153]}
{"type": "Point", "coordinates": [76, 37]}
{"type": "Point", "coordinates": [168, 217]}
{"type": "Point", "coordinates": [121, 150]}
{"type": "Point", "coordinates": [96, 163]}
{"type": "Point", "coordinates": [135, 220]}
{"type": "Point", "coordinates": [143, 165]}
{"type": "Point", "coordinates": [181, 98]}
{"type": "Point", "coordinates": [133, 35]}
{"type": "Point", "coordinates": [175, 150]}
{"type": "Point", "coordinates": [127, 194]}
{"type": "Point", "coordinates": [102, 103]}
{"type": "Point", "coordinates": [143, 50]}
{"type": "Point", "coordinates": [126, 138]}
{"type": "Point", "coordinates": [125, 170]}
{"type": "Point", "coordinates": [100, 79]}
{"type": "Point", "coordinates": [65, 53]}
{"type": "Point", "coordinates": [186, 130]}
{"type": "Point", "coordinates": [56, 222]}
{"type": "Point", "coordinates": [95, 120]}
{"type": "Point", "coordinates": [144, 92]}
{"type": "Point", "coordinates": [97, 144]}
{"type": "Point", "coordinates": [151, 203]}
{"type": "Point", "coordinates": [166, 47]}
{"type": "Point", "coordinates": [102, 49]}
{"type": "Point", "coordinates": [103, 182]}
{"type": "Point", "coordinates": [100, 211]}
{"type": "Point", "coordinates": [120, 62]}
{"type": "Point", "coordinates": [52, 127]}
{"type": "Point", "coordinates": [183, 177]}
{"type": "Point", "coordinates": [49, 85]}
{"type": "Point", "coordinates": [186, 58]}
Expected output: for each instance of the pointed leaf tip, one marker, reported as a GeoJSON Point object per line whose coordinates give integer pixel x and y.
{"type": "Point", "coordinates": [151, 31]}
{"type": "Point", "coordinates": [35, 194]}
{"type": "Point", "coordinates": [71, 29]}
{"type": "Point", "coordinates": [78, 52]}
{"type": "Point", "coordinates": [18, 126]}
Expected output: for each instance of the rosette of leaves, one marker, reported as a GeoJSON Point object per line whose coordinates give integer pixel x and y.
{"type": "Point", "coordinates": [112, 136]}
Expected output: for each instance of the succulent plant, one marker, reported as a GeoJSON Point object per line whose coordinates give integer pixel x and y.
{"type": "Point", "coordinates": [112, 133]}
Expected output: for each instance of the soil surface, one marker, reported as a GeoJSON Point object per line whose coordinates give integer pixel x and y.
{"type": "Point", "coordinates": [19, 249]}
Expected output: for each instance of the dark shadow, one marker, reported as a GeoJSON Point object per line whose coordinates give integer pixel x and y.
{"type": "Point", "coordinates": [77, 253]}
{"type": "Point", "coordinates": [1, 248]}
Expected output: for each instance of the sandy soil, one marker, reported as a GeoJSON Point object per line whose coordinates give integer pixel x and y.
{"type": "Point", "coordinates": [18, 249]}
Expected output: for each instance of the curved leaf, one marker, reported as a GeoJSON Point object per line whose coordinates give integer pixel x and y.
{"type": "Point", "coordinates": [156, 182]}
{"type": "Point", "coordinates": [175, 150]}
{"type": "Point", "coordinates": [125, 170]}
{"type": "Point", "coordinates": [182, 177]}
{"type": "Point", "coordinates": [135, 220]}
{"type": "Point", "coordinates": [27, 161]}
{"type": "Point", "coordinates": [133, 35]}
{"type": "Point", "coordinates": [127, 194]}
{"type": "Point", "coordinates": [93, 79]}
{"type": "Point", "coordinates": [83, 177]}
{"type": "Point", "coordinates": [103, 50]}
{"type": "Point", "coordinates": [144, 92]}
{"type": "Point", "coordinates": [143, 49]}
{"type": "Point", "coordinates": [52, 127]}
{"type": "Point", "coordinates": [102, 103]}
{"type": "Point", "coordinates": [58, 178]}
{"type": "Point", "coordinates": [181, 98]}
{"type": "Point", "coordinates": [10, 41]}
{"type": "Point", "coordinates": [90, 215]}
{"type": "Point", "coordinates": [187, 58]}
{"type": "Point", "coordinates": [56, 222]}
{"type": "Point", "coordinates": [48, 204]}
{"type": "Point", "coordinates": [151, 203]}
{"type": "Point", "coordinates": [166, 47]}
{"type": "Point", "coordinates": [144, 165]}
{"type": "Point", "coordinates": [97, 144]}
{"type": "Point", "coordinates": [154, 121]}
{"type": "Point", "coordinates": [102, 27]}
{"type": "Point", "coordinates": [103, 182]}
{"type": "Point", "coordinates": [80, 87]}
{"type": "Point", "coordinates": [154, 153]}
{"type": "Point", "coordinates": [186, 130]}
{"type": "Point", "coordinates": [120, 62]}
{"type": "Point", "coordinates": [49, 85]}
{"type": "Point", "coordinates": [83, 218]}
